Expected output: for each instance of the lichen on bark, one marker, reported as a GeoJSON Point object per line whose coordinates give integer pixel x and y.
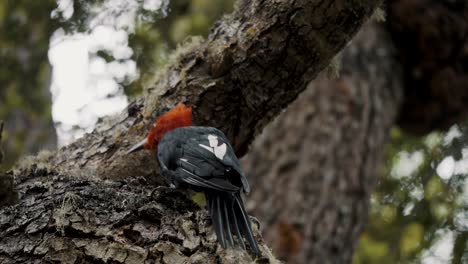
{"type": "Point", "coordinates": [81, 221]}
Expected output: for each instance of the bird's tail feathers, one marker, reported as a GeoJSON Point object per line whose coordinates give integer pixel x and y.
{"type": "Point", "coordinates": [231, 221]}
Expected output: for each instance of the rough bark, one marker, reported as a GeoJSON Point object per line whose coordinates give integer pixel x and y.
{"type": "Point", "coordinates": [8, 193]}
{"type": "Point", "coordinates": [63, 220]}
{"type": "Point", "coordinates": [315, 166]}
{"type": "Point", "coordinates": [254, 63]}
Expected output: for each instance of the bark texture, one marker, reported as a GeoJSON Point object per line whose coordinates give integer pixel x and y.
{"type": "Point", "coordinates": [315, 166]}
{"type": "Point", "coordinates": [63, 220]}
{"type": "Point", "coordinates": [255, 62]}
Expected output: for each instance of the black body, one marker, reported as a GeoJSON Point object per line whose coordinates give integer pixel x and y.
{"type": "Point", "coordinates": [203, 159]}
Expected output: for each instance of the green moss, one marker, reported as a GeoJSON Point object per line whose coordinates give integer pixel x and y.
{"type": "Point", "coordinates": [333, 69]}
{"type": "Point", "coordinates": [152, 97]}
{"type": "Point", "coordinates": [45, 155]}
{"type": "Point", "coordinates": [379, 15]}
{"type": "Point", "coordinates": [67, 206]}
{"type": "Point", "coordinates": [199, 198]}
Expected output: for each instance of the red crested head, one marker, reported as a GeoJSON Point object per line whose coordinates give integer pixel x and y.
{"type": "Point", "coordinates": [179, 116]}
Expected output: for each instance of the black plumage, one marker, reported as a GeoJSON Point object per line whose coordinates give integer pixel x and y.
{"type": "Point", "coordinates": [203, 159]}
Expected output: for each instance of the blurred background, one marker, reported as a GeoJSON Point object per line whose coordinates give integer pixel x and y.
{"type": "Point", "coordinates": [64, 64]}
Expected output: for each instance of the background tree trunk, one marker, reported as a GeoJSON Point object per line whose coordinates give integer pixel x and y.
{"type": "Point", "coordinates": [252, 66]}
{"type": "Point", "coordinates": [315, 166]}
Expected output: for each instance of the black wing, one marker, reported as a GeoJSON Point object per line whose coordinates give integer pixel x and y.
{"type": "Point", "coordinates": [202, 156]}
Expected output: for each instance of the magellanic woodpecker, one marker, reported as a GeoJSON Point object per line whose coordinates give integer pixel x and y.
{"type": "Point", "coordinates": [202, 159]}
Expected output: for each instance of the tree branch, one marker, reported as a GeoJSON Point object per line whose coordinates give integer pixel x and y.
{"type": "Point", "coordinates": [254, 63]}
{"type": "Point", "coordinates": [82, 221]}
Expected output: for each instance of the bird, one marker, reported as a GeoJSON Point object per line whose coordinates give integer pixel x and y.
{"type": "Point", "coordinates": [201, 158]}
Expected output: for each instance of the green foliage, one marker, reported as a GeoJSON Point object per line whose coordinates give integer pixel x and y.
{"type": "Point", "coordinates": [410, 207]}
{"type": "Point", "coordinates": [25, 28]}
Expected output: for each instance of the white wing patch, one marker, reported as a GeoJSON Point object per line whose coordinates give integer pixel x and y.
{"type": "Point", "coordinates": [213, 141]}
{"type": "Point", "coordinates": [219, 151]}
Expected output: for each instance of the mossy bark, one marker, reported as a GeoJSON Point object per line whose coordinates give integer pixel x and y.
{"type": "Point", "coordinates": [65, 220]}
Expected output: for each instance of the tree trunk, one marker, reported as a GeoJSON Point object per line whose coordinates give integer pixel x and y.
{"type": "Point", "coordinates": [254, 64]}
{"type": "Point", "coordinates": [315, 166]}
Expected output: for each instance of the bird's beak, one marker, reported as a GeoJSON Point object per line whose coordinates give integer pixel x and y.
{"type": "Point", "coordinates": [137, 147]}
